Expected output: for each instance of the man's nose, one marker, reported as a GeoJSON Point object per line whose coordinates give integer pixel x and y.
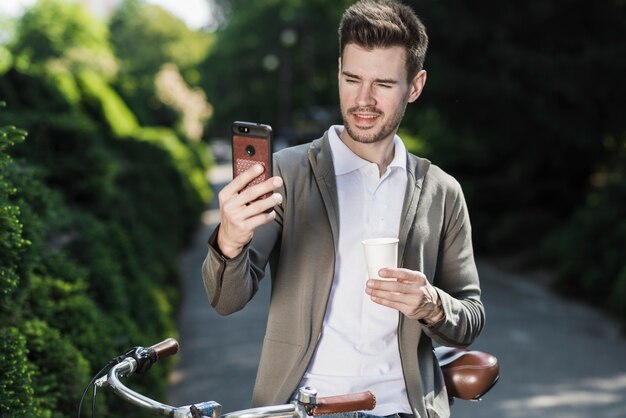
{"type": "Point", "coordinates": [365, 96]}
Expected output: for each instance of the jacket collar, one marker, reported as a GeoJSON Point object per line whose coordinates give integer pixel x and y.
{"type": "Point", "coordinates": [346, 161]}
{"type": "Point", "coordinates": [321, 160]}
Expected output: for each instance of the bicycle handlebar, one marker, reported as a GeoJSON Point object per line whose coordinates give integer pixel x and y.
{"type": "Point", "coordinates": [306, 402]}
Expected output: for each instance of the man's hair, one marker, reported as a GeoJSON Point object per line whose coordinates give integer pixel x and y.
{"type": "Point", "coordinates": [373, 24]}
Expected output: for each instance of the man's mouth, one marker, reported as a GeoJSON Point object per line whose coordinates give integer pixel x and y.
{"type": "Point", "coordinates": [365, 118]}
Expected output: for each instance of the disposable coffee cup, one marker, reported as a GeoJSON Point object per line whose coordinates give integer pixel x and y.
{"type": "Point", "coordinates": [380, 253]}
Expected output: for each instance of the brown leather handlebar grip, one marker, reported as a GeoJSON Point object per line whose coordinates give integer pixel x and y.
{"type": "Point", "coordinates": [363, 401]}
{"type": "Point", "coordinates": [165, 348]}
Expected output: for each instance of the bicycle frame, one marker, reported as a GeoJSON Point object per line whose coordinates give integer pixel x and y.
{"type": "Point", "coordinates": [467, 374]}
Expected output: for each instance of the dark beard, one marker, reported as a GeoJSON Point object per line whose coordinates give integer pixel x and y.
{"type": "Point", "coordinates": [387, 129]}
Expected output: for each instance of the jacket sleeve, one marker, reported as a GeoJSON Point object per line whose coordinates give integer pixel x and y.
{"type": "Point", "coordinates": [231, 283]}
{"type": "Point", "coordinates": [456, 278]}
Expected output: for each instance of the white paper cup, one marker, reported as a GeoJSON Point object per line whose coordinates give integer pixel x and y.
{"type": "Point", "coordinates": [380, 253]}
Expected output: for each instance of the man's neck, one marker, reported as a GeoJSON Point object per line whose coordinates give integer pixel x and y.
{"type": "Point", "coordinates": [381, 153]}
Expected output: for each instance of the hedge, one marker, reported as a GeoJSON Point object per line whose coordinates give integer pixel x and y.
{"type": "Point", "coordinates": [91, 225]}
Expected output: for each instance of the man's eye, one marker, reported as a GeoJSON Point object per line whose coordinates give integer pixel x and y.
{"type": "Point", "coordinates": [385, 86]}
{"type": "Point", "coordinates": [351, 80]}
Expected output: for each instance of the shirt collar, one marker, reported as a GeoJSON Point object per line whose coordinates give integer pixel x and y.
{"type": "Point", "coordinates": [346, 161]}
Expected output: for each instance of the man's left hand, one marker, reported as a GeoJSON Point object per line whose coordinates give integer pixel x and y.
{"type": "Point", "coordinates": [410, 293]}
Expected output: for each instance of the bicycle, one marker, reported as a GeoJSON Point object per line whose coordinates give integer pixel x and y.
{"type": "Point", "coordinates": [467, 374]}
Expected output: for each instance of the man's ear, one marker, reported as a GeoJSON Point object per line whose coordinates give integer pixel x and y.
{"type": "Point", "coordinates": [417, 85]}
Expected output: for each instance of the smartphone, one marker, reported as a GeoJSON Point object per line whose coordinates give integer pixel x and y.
{"type": "Point", "coordinates": [252, 144]}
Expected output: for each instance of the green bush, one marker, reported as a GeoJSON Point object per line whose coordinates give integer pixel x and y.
{"type": "Point", "coordinates": [94, 210]}
{"type": "Point", "coordinates": [59, 371]}
{"type": "Point", "coordinates": [101, 97]}
{"type": "Point", "coordinates": [60, 34]}
{"type": "Point", "coordinates": [16, 392]}
{"type": "Point", "coordinates": [106, 106]}
{"type": "Point", "coordinates": [16, 389]}
{"type": "Point", "coordinates": [71, 151]}
{"type": "Point", "coordinates": [12, 244]}
{"type": "Point", "coordinates": [522, 124]}
{"type": "Point", "coordinates": [184, 159]}
{"type": "Point", "coordinates": [145, 37]}
{"type": "Point", "coordinates": [35, 93]}
{"type": "Point", "coordinates": [91, 229]}
{"type": "Point", "coordinates": [66, 307]}
{"type": "Point", "coordinates": [589, 251]}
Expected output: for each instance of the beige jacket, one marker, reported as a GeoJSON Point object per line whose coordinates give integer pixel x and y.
{"type": "Point", "coordinates": [435, 238]}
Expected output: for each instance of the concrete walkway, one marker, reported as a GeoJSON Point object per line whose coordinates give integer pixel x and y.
{"type": "Point", "coordinates": [558, 358]}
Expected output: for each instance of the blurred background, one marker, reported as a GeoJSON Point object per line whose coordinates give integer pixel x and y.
{"type": "Point", "coordinates": [111, 110]}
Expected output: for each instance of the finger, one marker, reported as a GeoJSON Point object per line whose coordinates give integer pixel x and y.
{"type": "Point", "coordinates": [383, 285]}
{"type": "Point", "coordinates": [393, 287]}
{"type": "Point", "coordinates": [255, 192]}
{"type": "Point", "coordinates": [401, 303]}
{"type": "Point", "coordinates": [259, 206]}
{"type": "Point", "coordinates": [403, 275]}
{"type": "Point", "coordinates": [260, 219]}
{"type": "Point", "coordinates": [410, 305]}
{"type": "Point", "coordinates": [231, 199]}
{"type": "Point", "coordinates": [242, 180]}
{"type": "Point", "coordinates": [244, 218]}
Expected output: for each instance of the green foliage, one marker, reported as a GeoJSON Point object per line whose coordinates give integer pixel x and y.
{"type": "Point", "coordinates": [12, 244]}
{"type": "Point", "coordinates": [59, 371]}
{"type": "Point", "coordinates": [56, 33]}
{"type": "Point", "coordinates": [588, 251]}
{"type": "Point", "coordinates": [91, 280]}
{"type": "Point", "coordinates": [70, 148]}
{"type": "Point", "coordinates": [106, 102]}
{"type": "Point", "coordinates": [36, 93]}
{"type": "Point", "coordinates": [93, 212]}
{"type": "Point", "coordinates": [523, 122]}
{"type": "Point", "coordinates": [6, 59]}
{"type": "Point", "coordinates": [276, 75]}
{"type": "Point", "coordinates": [134, 26]}
{"type": "Point", "coordinates": [16, 390]}
{"type": "Point", "coordinates": [184, 159]}
{"type": "Point", "coordinates": [68, 87]}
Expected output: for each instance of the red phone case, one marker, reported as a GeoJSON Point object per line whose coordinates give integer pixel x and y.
{"type": "Point", "coordinates": [252, 144]}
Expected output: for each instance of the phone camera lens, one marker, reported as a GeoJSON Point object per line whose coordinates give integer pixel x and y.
{"type": "Point", "coordinates": [250, 150]}
{"type": "Point", "coordinates": [244, 129]}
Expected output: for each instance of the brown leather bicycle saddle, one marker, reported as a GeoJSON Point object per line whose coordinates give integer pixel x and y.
{"type": "Point", "coordinates": [468, 374]}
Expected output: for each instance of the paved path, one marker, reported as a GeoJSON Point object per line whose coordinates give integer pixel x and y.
{"type": "Point", "coordinates": [559, 359]}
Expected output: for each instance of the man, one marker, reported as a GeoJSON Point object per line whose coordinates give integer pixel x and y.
{"type": "Point", "coordinates": [330, 327]}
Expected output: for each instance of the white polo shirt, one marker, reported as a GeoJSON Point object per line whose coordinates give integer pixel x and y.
{"type": "Point", "coordinates": [358, 348]}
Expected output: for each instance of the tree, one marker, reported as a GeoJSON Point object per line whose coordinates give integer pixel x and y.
{"type": "Point", "coordinates": [145, 38]}
{"type": "Point", "coordinates": [274, 62]}
{"type": "Point", "coordinates": [56, 33]}
{"type": "Point", "coordinates": [519, 99]}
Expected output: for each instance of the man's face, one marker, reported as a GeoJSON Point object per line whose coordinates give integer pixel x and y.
{"type": "Point", "coordinates": [374, 92]}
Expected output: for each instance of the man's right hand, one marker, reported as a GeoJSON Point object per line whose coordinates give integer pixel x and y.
{"type": "Point", "coordinates": [241, 213]}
